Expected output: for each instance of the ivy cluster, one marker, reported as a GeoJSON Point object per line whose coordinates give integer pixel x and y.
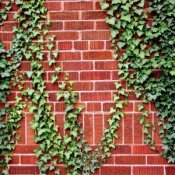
{"type": "Point", "coordinates": [9, 116]}
{"type": "Point", "coordinates": [71, 149]}
{"type": "Point", "coordinates": [147, 50]}
{"type": "Point", "coordinates": [23, 47]}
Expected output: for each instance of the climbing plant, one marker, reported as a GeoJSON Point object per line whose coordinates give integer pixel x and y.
{"type": "Point", "coordinates": [145, 48]}
{"type": "Point", "coordinates": [28, 44]}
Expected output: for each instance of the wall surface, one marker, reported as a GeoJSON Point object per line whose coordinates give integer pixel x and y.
{"type": "Point", "coordinates": [82, 37]}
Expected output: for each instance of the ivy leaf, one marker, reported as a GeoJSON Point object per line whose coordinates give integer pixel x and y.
{"type": "Point", "coordinates": [120, 45]}
{"type": "Point", "coordinates": [54, 78]}
{"type": "Point", "coordinates": [50, 46]}
{"type": "Point", "coordinates": [104, 5]}
{"type": "Point", "coordinates": [116, 97]}
{"type": "Point", "coordinates": [126, 18]}
{"type": "Point", "coordinates": [119, 105]}
{"type": "Point", "coordinates": [141, 120]}
{"type": "Point", "coordinates": [3, 63]}
{"type": "Point", "coordinates": [57, 69]}
{"type": "Point", "coordinates": [118, 85]}
{"type": "Point", "coordinates": [140, 107]}
{"type": "Point", "coordinates": [51, 62]}
{"type": "Point", "coordinates": [62, 86]}
{"type": "Point", "coordinates": [110, 21]}
{"type": "Point", "coordinates": [59, 95]}
{"type": "Point", "coordinates": [55, 54]}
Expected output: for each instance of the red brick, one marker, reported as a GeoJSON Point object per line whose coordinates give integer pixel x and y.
{"type": "Point", "coordinates": [6, 36]}
{"type": "Point", "coordinates": [97, 6]}
{"type": "Point", "coordinates": [130, 160]}
{"type": "Point", "coordinates": [148, 171]}
{"type": "Point", "coordinates": [128, 131]}
{"type": "Point", "coordinates": [113, 170]}
{"type": "Point", "coordinates": [8, 26]}
{"type": "Point", "coordinates": [53, 6]}
{"type": "Point", "coordinates": [170, 170]}
{"type": "Point", "coordinates": [65, 45]}
{"type": "Point", "coordinates": [21, 131]}
{"type": "Point", "coordinates": [69, 56]}
{"type": "Point", "coordinates": [51, 87]}
{"type": "Point", "coordinates": [14, 7]}
{"type": "Point", "coordinates": [123, 149]}
{"type": "Point", "coordinates": [138, 134]}
{"type": "Point", "coordinates": [78, 5]}
{"type": "Point", "coordinates": [98, 128]}
{"type": "Point", "coordinates": [28, 159]}
{"type": "Point", "coordinates": [156, 160]}
{"type": "Point", "coordinates": [115, 75]}
{"type": "Point", "coordinates": [83, 65]}
{"type": "Point", "coordinates": [156, 135]}
{"type": "Point", "coordinates": [104, 86]}
{"type": "Point", "coordinates": [96, 45]}
{"type": "Point", "coordinates": [11, 16]}
{"type": "Point", "coordinates": [83, 86]}
{"type": "Point", "coordinates": [79, 25]}
{"type": "Point", "coordinates": [56, 25]}
{"type": "Point", "coordinates": [106, 65]}
{"type": "Point", "coordinates": [153, 108]}
{"type": "Point", "coordinates": [59, 107]}
{"type": "Point", "coordinates": [97, 172]}
{"type": "Point", "coordinates": [143, 150]}
{"type": "Point", "coordinates": [15, 159]}
{"type": "Point", "coordinates": [88, 128]}
{"type": "Point", "coordinates": [7, 46]}
{"type": "Point", "coordinates": [60, 121]}
{"type": "Point", "coordinates": [110, 160]}
{"type": "Point", "coordinates": [64, 16]}
{"type": "Point", "coordinates": [95, 96]}
{"type": "Point", "coordinates": [95, 35]}
{"type": "Point", "coordinates": [93, 107]}
{"type": "Point", "coordinates": [101, 25]}
{"type": "Point", "coordinates": [65, 35]}
{"type": "Point", "coordinates": [97, 55]}
{"type": "Point", "coordinates": [92, 15]}
{"type": "Point", "coordinates": [25, 149]}
{"type": "Point", "coordinates": [81, 45]}
{"type": "Point", "coordinates": [94, 75]}
{"type": "Point", "coordinates": [11, 97]}
{"type": "Point", "coordinates": [23, 170]}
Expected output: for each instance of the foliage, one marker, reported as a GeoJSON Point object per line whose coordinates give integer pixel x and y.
{"type": "Point", "coordinates": [148, 48]}
{"type": "Point", "coordinates": [71, 149]}
{"type": "Point", "coordinates": [142, 48]}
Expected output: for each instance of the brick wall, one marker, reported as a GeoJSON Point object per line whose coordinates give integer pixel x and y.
{"type": "Point", "coordinates": [82, 37]}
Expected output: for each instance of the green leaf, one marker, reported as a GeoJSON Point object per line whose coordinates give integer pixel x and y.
{"type": "Point", "coordinates": [51, 62]}
{"type": "Point", "coordinates": [55, 54]}
{"type": "Point", "coordinates": [118, 85]}
{"type": "Point", "coordinates": [110, 21]}
{"type": "Point", "coordinates": [54, 78]}
{"type": "Point", "coordinates": [62, 86]}
{"type": "Point", "coordinates": [59, 95]}
{"type": "Point", "coordinates": [104, 5]}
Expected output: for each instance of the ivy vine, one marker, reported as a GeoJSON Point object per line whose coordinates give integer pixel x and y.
{"type": "Point", "coordinates": [147, 47]}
